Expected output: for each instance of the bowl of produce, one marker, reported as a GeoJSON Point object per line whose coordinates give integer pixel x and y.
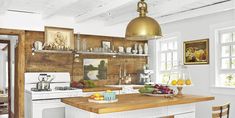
{"type": "Point", "coordinates": [156, 90]}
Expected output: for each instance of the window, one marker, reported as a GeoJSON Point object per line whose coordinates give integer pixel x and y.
{"type": "Point", "coordinates": [169, 58]}
{"type": "Point", "coordinates": [225, 76]}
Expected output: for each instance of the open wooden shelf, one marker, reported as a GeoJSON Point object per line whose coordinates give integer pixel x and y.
{"type": "Point", "coordinates": [53, 51]}
{"type": "Point", "coordinates": [90, 53]}
{"type": "Point", "coordinates": [111, 54]}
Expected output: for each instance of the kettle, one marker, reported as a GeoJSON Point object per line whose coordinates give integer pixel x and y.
{"type": "Point", "coordinates": [38, 45]}
{"type": "Point", "coordinates": [43, 84]}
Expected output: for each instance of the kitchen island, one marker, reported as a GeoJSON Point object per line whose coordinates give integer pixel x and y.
{"type": "Point", "coordinates": [134, 106]}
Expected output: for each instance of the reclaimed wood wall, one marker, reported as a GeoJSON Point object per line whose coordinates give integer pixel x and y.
{"type": "Point", "coordinates": [54, 62]}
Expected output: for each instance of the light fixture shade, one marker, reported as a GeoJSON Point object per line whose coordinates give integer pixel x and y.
{"type": "Point", "coordinates": [143, 28]}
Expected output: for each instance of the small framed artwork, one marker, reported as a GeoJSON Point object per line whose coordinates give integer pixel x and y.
{"type": "Point", "coordinates": [196, 52]}
{"type": "Point", "coordinates": [59, 38]}
{"type": "Point", "coordinates": [95, 69]}
{"type": "Point", "coordinates": [106, 44]}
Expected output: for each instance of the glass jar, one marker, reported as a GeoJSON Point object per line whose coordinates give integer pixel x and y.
{"type": "Point", "coordinates": [181, 73]}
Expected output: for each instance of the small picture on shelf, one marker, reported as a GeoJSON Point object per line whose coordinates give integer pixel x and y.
{"type": "Point", "coordinates": [95, 69]}
{"type": "Point", "coordinates": [106, 44]}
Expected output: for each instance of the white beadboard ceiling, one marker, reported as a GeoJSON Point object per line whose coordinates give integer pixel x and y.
{"type": "Point", "coordinates": [110, 11]}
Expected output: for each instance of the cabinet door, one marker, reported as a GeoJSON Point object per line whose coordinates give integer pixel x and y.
{"type": "Point", "coordinates": [186, 115]}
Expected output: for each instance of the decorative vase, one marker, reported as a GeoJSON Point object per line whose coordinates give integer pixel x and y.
{"type": "Point", "coordinates": [140, 49]}
{"type": "Point", "coordinates": [145, 48]}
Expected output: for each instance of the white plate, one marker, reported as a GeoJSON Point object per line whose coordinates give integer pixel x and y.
{"type": "Point", "coordinates": [159, 95]}
{"type": "Point", "coordinates": [102, 101]}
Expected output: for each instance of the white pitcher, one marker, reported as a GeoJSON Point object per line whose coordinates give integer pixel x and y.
{"type": "Point", "coordinates": [38, 45]}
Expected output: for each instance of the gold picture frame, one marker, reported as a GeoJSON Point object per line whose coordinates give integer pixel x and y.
{"type": "Point", "coordinates": [59, 38]}
{"type": "Point", "coordinates": [196, 52]}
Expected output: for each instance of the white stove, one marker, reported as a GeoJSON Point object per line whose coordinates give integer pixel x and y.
{"type": "Point", "coordinates": [47, 104]}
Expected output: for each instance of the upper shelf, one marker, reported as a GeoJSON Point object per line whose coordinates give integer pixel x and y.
{"type": "Point", "coordinates": [53, 51]}
{"type": "Point", "coordinates": [111, 54]}
{"type": "Point", "coordinates": [89, 53]}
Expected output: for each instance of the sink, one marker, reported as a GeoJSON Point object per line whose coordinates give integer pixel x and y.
{"type": "Point", "coordinates": [125, 85]}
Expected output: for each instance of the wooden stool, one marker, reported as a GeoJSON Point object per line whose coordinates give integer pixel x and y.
{"type": "Point", "coordinates": [221, 111]}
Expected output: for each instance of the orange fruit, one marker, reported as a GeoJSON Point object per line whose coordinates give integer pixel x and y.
{"type": "Point", "coordinates": [173, 82]}
{"type": "Point", "coordinates": [188, 82]}
{"type": "Point", "coordinates": [180, 82]}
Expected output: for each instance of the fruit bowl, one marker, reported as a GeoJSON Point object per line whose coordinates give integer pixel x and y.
{"type": "Point", "coordinates": [157, 90]}
{"type": "Point", "coordinates": [180, 86]}
{"type": "Point", "coordinates": [106, 97]}
{"type": "Point", "coordinates": [159, 95]}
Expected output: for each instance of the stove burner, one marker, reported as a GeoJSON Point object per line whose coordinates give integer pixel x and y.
{"type": "Point", "coordinates": [64, 88]}
{"type": "Point", "coordinates": [37, 90]}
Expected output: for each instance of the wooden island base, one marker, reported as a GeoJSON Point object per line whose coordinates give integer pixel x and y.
{"type": "Point", "coordinates": [135, 106]}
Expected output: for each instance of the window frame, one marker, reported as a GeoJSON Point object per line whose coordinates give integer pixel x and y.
{"type": "Point", "coordinates": [168, 38]}
{"type": "Point", "coordinates": [213, 74]}
{"type": "Point", "coordinates": [218, 80]}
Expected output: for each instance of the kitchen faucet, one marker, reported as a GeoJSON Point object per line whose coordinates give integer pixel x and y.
{"type": "Point", "coordinates": [123, 74]}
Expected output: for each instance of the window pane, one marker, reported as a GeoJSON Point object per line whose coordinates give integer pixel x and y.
{"type": "Point", "coordinates": [233, 63]}
{"type": "Point", "coordinates": [163, 57]}
{"type": "Point", "coordinates": [226, 37]}
{"type": "Point", "coordinates": [165, 77]}
{"type": "Point", "coordinates": [169, 58]}
{"type": "Point", "coordinates": [227, 80]}
{"type": "Point", "coordinates": [233, 50]}
{"type": "Point", "coordinates": [175, 57]}
{"type": "Point", "coordinates": [225, 64]}
{"type": "Point", "coordinates": [170, 45]}
{"type": "Point", "coordinates": [233, 36]}
{"type": "Point", "coordinates": [225, 51]}
{"type": "Point", "coordinates": [163, 66]}
{"type": "Point", "coordinates": [175, 63]}
{"type": "Point", "coordinates": [169, 65]}
{"type": "Point", "coordinates": [163, 46]}
{"type": "Point", "coordinates": [175, 45]}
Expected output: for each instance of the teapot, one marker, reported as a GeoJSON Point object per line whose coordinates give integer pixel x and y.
{"type": "Point", "coordinates": [38, 45]}
{"type": "Point", "coordinates": [44, 83]}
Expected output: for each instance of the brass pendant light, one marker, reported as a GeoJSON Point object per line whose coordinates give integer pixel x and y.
{"type": "Point", "coordinates": [143, 27]}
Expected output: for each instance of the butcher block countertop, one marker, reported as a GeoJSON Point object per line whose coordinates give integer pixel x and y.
{"type": "Point", "coordinates": [97, 89]}
{"type": "Point", "coordinates": [128, 102]}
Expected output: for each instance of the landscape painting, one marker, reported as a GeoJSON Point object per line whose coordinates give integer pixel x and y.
{"type": "Point", "coordinates": [95, 69]}
{"type": "Point", "coordinates": [196, 52]}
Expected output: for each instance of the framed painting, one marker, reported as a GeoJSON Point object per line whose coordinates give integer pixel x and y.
{"type": "Point", "coordinates": [196, 52]}
{"type": "Point", "coordinates": [106, 44]}
{"type": "Point", "coordinates": [59, 38]}
{"type": "Point", "coordinates": [95, 69]}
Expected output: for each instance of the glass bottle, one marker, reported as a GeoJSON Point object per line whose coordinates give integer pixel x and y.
{"type": "Point", "coordinates": [83, 44]}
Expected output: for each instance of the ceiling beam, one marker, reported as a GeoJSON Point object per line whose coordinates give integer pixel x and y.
{"type": "Point", "coordinates": [4, 4]}
{"type": "Point", "coordinates": [60, 5]}
{"type": "Point", "coordinates": [164, 8]}
{"type": "Point", "coordinates": [177, 15]}
{"type": "Point", "coordinates": [100, 10]}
